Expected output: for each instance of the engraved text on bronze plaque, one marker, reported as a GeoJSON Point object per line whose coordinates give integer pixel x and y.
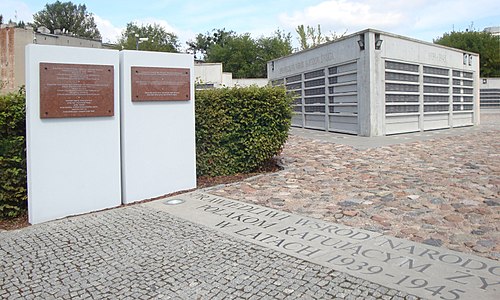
{"type": "Point", "coordinates": [76, 90]}
{"type": "Point", "coordinates": [160, 84]}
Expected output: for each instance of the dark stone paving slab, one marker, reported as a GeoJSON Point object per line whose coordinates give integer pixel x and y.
{"type": "Point", "coordinates": [421, 269]}
{"type": "Point", "coordinates": [138, 252]}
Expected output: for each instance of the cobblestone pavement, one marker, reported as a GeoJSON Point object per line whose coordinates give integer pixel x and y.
{"type": "Point", "coordinates": [442, 191]}
{"type": "Point", "coordinates": [139, 253]}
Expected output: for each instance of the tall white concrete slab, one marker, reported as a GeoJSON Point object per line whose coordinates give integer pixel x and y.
{"type": "Point", "coordinates": [158, 135]}
{"type": "Point", "coordinates": [73, 155]}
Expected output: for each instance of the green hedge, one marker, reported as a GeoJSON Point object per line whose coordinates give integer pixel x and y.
{"type": "Point", "coordinates": [12, 154]}
{"type": "Point", "coordinates": [240, 129]}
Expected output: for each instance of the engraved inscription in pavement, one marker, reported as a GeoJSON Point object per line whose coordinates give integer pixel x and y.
{"type": "Point", "coordinates": [418, 269]}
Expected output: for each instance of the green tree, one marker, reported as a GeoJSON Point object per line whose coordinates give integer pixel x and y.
{"type": "Point", "coordinates": [240, 54]}
{"type": "Point", "coordinates": [484, 43]}
{"type": "Point", "coordinates": [203, 42]}
{"type": "Point", "coordinates": [237, 55]}
{"type": "Point", "coordinates": [272, 47]}
{"type": "Point", "coordinates": [158, 39]}
{"type": "Point", "coordinates": [310, 37]}
{"type": "Point", "coordinates": [67, 17]}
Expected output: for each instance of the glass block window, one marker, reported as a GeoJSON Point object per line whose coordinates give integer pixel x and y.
{"type": "Point", "coordinates": [467, 74]}
{"type": "Point", "coordinates": [313, 109]}
{"type": "Point", "coordinates": [434, 108]}
{"type": "Point", "coordinates": [316, 82]}
{"type": "Point", "coordinates": [401, 98]}
{"type": "Point", "coordinates": [314, 100]}
{"type": "Point", "coordinates": [401, 109]}
{"type": "Point", "coordinates": [392, 65]}
{"type": "Point", "coordinates": [436, 80]}
{"type": "Point", "coordinates": [401, 87]}
{"type": "Point", "coordinates": [428, 98]}
{"type": "Point", "coordinates": [313, 92]}
{"type": "Point", "coordinates": [436, 71]}
{"type": "Point", "coordinates": [294, 78]}
{"type": "Point", "coordinates": [294, 86]}
{"type": "Point", "coordinates": [463, 107]}
{"type": "Point", "coordinates": [436, 89]}
{"type": "Point", "coordinates": [401, 77]}
{"type": "Point", "coordinates": [314, 74]}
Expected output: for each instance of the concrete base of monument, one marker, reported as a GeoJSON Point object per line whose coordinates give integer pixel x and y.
{"type": "Point", "coordinates": [418, 269]}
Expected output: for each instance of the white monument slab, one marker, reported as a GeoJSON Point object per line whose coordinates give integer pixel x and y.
{"type": "Point", "coordinates": [73, 131]}
{"type": "Point", "coordinates": [158, 136]}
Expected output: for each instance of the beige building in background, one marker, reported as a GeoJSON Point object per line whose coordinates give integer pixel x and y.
{"type": "Point", "coordinates": [12, 44]}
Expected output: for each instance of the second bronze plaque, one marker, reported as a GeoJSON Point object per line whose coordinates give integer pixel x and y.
{"type": "Point", "coordinates": [160, 84]}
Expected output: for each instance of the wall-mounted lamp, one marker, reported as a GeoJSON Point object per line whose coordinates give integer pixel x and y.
{"type": "Point", "coordinates": [378, 41]}
{"type": "Point", "coordinates": [361, 42]}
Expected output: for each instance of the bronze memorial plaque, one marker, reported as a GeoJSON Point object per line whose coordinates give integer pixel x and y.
{"type": "Point", "coordinates": [76, 90]}
{"type": "Point", "coordinates": [160, 84]}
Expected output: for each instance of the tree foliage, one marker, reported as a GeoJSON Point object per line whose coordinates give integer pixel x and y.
{"type": "Point", "coordinates": [202, 43]}
{"type": "Point", "coordinates": [241, 54]}
{"type": "Point", "coordinates": [310, 37]}
{"type": "Point", "coordinates": [484, 43]}
{"type": "Point", "coordinates": [68, 17]}
{"type": "Point", "coordinates": [158, 38]}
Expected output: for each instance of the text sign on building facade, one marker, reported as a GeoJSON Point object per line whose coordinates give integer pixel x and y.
{"type": "Point", "coordinates": [160, 84]}
{"type": "Point", "coordinates": [76, 90]}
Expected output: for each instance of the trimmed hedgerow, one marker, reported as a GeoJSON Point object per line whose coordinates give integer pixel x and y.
{"type": "Point", "coordinates": [240, 129]}
{"type": "Point", "coordinates": [13, 193]}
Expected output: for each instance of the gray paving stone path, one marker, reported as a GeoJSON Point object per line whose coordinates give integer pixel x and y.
{"type": "Point", "coordinates": [137, 252]}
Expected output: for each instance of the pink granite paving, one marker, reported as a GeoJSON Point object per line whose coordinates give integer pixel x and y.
{"type": "Point", "coordinates": [443, 191]}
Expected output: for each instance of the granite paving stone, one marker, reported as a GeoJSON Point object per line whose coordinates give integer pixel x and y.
{"type": "Point", "coordinates": [442, 190]}
{"type": "Point", "coordinates": [143, 253]}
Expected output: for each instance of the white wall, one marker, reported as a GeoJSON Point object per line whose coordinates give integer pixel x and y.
{"type": "Point", "coordinates": [73, 163]}
{"type": "Point", "coordinates": [208, 73]}
{"type": "Point", "coordinates": [243, 82]}
{"type": "Point", "coordinates": [158, 138]}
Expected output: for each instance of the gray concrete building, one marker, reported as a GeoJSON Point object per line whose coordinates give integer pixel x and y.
{"type": "Point", "coordinates": [489, 93]}
{"type": "Point", "coordinates": [374, 83]}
